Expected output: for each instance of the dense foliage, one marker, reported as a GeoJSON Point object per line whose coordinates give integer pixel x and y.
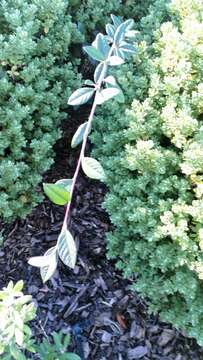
{"type": "Point", "coordinates": [91, 15]}
{"type": "Point", "coordinates": [37, 73]}
{"type": "Point", "coordinates": [16, 310]}
{"type": "Point", "coordinates": [153, 156]}
{"type": "Point", "coordinates": [35, 80]}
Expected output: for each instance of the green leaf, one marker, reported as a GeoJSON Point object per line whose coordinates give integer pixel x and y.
{"type": "Point", "coordinates": [57, 194]}
{"type": "Point", "coordinates": [92, 168]}
{"type": "Point", "coordinates": [132, 34]}
{"type": "Point", "coordinates": [81, 96]}
{"type": "Point", "coordinates": [78, 136]}
{"type": "Point", "coordinates": [128, 48]}
{"type": "Point", "coordinates": [18, 286]}
{"type": "Point", "coordinates": [115, 60]}
{"type": "Point", "coordinates": [39, 261]}
{"type": "Point", "coordinates": [66, 248]}
{"type": "Point", "coordinates": [57, 340]}
{"type": "Point", "coordinates": [106, 94]}
{"type": "Point", "coordinates": [65, 183]}
{"type": "Point", "coordinates": [19, 336]}
{"type": "Point", "coordinates": [118, 52]}
{"type": "Point", "coordinates": [72, 356]}
{"type": "Point", "coordinates": [100, 72]}
{"type": "Point", "coordinates": [121, 30]}
{"type": "Point", "coordinates": [48, 271]}
{"type": "Point", "coordinates": [111, 82]}
{"type": "Point", "coordinates": [89, 82]}
{"type": "Point", "coordinates": [94, 53]}
{"type": "Point", "coordinates": [117, 20]}
{"type": "Point", "coordinates": [16, 353]}
{"type": "Point", "coordinates": [110, 30]}
{"type": "Point", "coordinates": [102, 44]}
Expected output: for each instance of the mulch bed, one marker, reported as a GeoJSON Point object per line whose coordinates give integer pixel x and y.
{"type": "Point", "coordinates": [106, 319]}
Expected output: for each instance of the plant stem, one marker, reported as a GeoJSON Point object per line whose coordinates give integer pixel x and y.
{"type": "Point", "coordinates": [85, 137]}
{"type": "Point", "coordinates": [88, 127]}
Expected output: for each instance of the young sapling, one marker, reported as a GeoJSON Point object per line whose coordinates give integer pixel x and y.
{"type": "Point", "coordinates": [108, 50]}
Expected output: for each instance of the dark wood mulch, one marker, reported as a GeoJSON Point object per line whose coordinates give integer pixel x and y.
{"type": "Point", "coordinates": [107, 320]}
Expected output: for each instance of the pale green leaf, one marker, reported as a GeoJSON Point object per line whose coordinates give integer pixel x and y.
{"type": "Point", "coordinates": [115, 60]}
{"type": "Point", "coordinates": [78, 136]}
{"type": "Point", "coordinates": [120, 53]}
{"type": "Point", "coordinates": [89, 82]}
{"type": "Point", "coordinates": [39, 261]}
{"type": "Point", "coordinates": [19, 336]}
{"type": "Point", "coordinates": [81, 96]}
{"type": "Point", "coordinates": [102, 44]}
{"type": "Point", "coordinates": [57, 194]}
{"type": "Point", "coordinates": [110, 30]}
{"type": "Point", "coordinates": [117, 20]}
{"type": "Point", "coordinates": [132, 34]}
{"type": "Point", "coordinates": [66, 248]}
{"type": "Point", "coordinates": [100, 72]}
{"type": "Point", "coordinates": [48, 271]}
{"type": "Point", "coordinates": [92, 168]}
{"type": "Point", "coordinates": [94, 53]}
{"type": "Point", "coordinates": [121, 30]}
{"type": "Point", "coordinates": [110, 80]}
{"type": "Point", "coordinates": [106, 94]}
{"type": "Point", "coordinates": [18, 286]}
{"type": "Point", "coordinates": [128, 48]}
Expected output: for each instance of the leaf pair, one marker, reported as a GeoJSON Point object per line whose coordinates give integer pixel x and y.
{"type": "Point", "coordinates": [99, 49]}
{"type": "Point", "coordinates": [65, 249]}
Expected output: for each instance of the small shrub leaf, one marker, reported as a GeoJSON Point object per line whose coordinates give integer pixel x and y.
{"type": "Point", "coordinates": [121, 30]}
{"type": "Point", "coordinates": [56, 193]}
{"type": "Point", "coordinates": [110, 80]}
{"type": "Point", "coordinates": [81, 96]}
{"type": "Point", "coordinates": [78, 136]}
{"type": "Point", "coordinates": [94, 53]}
{"type": "Point", "coordinates": [106, 94]}
{"type": "Point", "coordinates": [128, 48]}
{"type": "Point", "coordinates": [100, 72]}
{"type": "Point", "coordinates": [110, 30]}
{"type": "Point", "coordinates": [117, 20]}
{"type": "Point", "coordinates": [102, 44]}
{"type": "Point", "coordinates": [48, 271]}
{"type": "Point", "coordinates": [115, 60]}
{"type": "Point", "coordinates": [93, 169]}
{"type": "Point", "coordinates": [89, 83]}
{"type": "Point", "coordinates": [67, 248]}
{"type": "Point", "coordinates": [18, 286]}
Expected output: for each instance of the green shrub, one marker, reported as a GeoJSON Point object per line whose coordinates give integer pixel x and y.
{"type": "Point", "coordinates": [16, 311]}
{"type": "Point", "coordinates": [152, 153]}
{"type": "Point", "coordinates": [91, 15]}
{"type": "Point", "coordinates": [36, 78]}
{"type": "Point", "coordinates": [56, 350]}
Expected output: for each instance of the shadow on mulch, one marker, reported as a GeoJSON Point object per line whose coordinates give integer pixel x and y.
{"type": "Point", "coordinates": [107, 320]}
